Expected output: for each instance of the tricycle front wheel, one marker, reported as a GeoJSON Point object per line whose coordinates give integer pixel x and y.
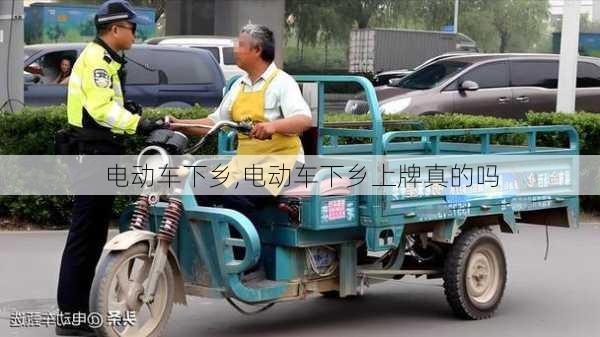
{"type": "Point", "coordinates": [118, 289]}
{"type": "Point", "coordinates": [475, 274]}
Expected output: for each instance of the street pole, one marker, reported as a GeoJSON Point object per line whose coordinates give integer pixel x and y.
{"type": "Point", "coordinates": [569, 54]}
{"type": "Point", "coordinates": [456, 16]}
{"type": "Point", "coordinates": [11, 55]}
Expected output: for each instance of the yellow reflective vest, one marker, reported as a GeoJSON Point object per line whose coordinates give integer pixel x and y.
{"type": "Point", "coordinates": [95, 92]}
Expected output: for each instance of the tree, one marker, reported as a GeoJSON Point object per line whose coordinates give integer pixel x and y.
{"type": "Point", "coordinates": [333, 28]}
{"type": "Point", "coordinates": [433, 14]}
{"type": "Point", "coordinates": [327, 21]}
{"type": "Point", "coordinates": [306, 22]}
{"type": "Point", "coordinates": [495, 25]}
{"type": "Point", "coordinates": [519, 24]}
{"type": "Point", "coordinates": [361, 11]}
{"type": "Point", "coordinates": [477, 24]}
{"type": "Point", "coordinates": [314, 23]}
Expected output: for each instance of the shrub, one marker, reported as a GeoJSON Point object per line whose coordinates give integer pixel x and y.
{"type": "Point", "coordinates": [32, 132]}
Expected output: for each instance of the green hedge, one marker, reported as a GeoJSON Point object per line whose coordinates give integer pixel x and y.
{"type": "Point", "coordinates": [32, 132]}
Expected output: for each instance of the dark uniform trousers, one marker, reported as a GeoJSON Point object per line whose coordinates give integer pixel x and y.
{"type": "Point", "coordinates": [87, 236]}
{"type": "Point", "coordinates": [88, 232]}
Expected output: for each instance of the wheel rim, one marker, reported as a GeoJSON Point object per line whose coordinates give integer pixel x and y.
{"type": "Point", "coordinates": [483, 275]}
{"type": "Point", "coordinates": [127, 286]}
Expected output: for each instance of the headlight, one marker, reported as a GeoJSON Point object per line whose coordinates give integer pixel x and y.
{"type": "Point", "coordinates": [396, 106]}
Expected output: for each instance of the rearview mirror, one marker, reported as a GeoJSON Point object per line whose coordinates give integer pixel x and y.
{"type": "Point", "coordinates": [356, 107]}
{"type": "Point", "coordinates": [468, 86]}
{"type": "Point", "coordinates": [29, 78]}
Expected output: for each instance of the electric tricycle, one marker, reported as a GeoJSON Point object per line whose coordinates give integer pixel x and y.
{"type": "Point", "coordinates": [325, 239]}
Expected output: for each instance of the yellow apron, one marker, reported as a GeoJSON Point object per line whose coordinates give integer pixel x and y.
{"type": "Point", "coordinates": [280, 150]}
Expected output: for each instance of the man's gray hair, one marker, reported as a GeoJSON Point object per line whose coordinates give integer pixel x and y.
{"type": "Point", "coordinates": [262, 37]}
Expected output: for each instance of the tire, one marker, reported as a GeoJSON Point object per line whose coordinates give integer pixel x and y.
{"type": "Point", "coordinates": [475, 274]}
{"type": "Point", "coordinates": [106, 294]}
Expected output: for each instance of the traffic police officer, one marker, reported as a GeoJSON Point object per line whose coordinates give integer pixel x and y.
{"type": "Point", "coordinates": [98, 117]}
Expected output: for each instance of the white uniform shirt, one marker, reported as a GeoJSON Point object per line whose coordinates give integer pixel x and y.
{"type": "Point", "coordinates": [282, 98]}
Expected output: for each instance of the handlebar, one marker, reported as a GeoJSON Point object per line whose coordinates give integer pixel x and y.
{"type": "Point", "coordinates": [243, 127]}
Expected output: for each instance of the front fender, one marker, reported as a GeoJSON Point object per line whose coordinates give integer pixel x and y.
{"type": "Point", "coordinates": [127, 239]}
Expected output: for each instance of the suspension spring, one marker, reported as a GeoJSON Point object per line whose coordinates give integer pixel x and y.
{"type": "Point", "coordinates": [170, 220]}
{"type": "Point", "coordinates": [141, 213]}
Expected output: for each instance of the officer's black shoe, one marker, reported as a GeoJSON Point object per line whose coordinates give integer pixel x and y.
{"type": "Point", "coordinates": [73, 330]}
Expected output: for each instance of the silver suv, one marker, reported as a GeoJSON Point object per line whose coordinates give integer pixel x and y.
{"type": "Point", "coordinates": [499, 85]}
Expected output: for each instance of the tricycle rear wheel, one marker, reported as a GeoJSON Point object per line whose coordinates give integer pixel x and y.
{"type": "Point", "coordinates": [475, 274]}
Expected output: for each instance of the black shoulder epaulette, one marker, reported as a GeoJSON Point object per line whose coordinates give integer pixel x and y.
{"type": "Point", "coordinates": [107, 58]}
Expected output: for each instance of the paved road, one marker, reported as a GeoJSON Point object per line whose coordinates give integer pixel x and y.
{"type": "Point", "coordinates": [557, 298]}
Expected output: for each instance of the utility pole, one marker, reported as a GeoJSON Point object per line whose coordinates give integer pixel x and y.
{"type": "Point", "coordinates": [456, 16]}
{"type": "Point", "coordinates": [11, 55]}
{"type": "Point", "coordinates": [569, 54]}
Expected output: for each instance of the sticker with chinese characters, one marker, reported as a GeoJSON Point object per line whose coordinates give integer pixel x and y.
{"type": "Point", "coordinates": [336, 209]}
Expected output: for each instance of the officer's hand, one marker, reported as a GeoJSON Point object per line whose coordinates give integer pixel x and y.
{"type": "Point", "coordinates": [263, 131]}
{"type": "Point", "coordinates": [146, 126]}
{"type": "Point", "coordinates": [133, 107]}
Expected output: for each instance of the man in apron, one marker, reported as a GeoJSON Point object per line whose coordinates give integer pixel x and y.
{"type": "Point", "coordinates": [272, 100]}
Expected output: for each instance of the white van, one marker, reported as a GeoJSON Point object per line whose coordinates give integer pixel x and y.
{"type": "Point", "coordinates": [220, 46]}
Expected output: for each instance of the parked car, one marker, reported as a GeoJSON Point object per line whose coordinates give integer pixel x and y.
{"type": "Point", "coordinates": [385, 77]}
{"type": "Point", "coordinates": [220, 46]}
{"type": "Point", "coordinates": [157, 76]}
{"type": "Point", "coordinates": [391, 77]}
{"type": "Point", "coordinates": [499, 85]}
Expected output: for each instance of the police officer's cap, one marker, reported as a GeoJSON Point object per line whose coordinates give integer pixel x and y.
{"type": "Point", "coordinates": [118, 10]}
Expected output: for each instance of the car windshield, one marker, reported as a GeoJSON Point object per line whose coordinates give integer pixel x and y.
{"type": "Point", "coordinates": [432, 75]}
